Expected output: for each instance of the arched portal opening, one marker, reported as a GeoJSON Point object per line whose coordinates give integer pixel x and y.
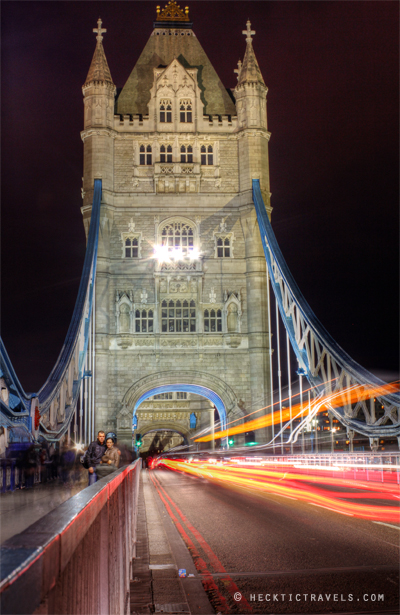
{"type": "Point", "coordinates": [161, 440]}
{"type": "Point", "coordinates": [218, 401]}
{"type": "Point", "coordinates": [172, 414]}
{"type": "Point", "coordinates": [213, 397]}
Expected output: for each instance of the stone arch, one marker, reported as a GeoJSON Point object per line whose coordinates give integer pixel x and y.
{"type": "Point", "coordinates": [207, 385]}
{"type": "Point", "coordinates": [165, 426]}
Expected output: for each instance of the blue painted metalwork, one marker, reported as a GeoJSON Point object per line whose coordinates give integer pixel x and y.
{"type": "Point", "coordinates": [187, 388]}
{"type": "Point", "coordinates": [292, 303]}
{"type": "Point", "coordinates": [18, 409]}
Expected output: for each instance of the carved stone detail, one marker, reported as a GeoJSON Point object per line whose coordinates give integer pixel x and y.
{"type": "Point", "coordinates": [213, 341]}
{"type": "Point", "coordinates": [177, 343]}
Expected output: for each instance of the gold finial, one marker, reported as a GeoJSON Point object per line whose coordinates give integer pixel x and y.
{"type": "Point", "coordinates": [248, 32]}
{"type": "Point", "coordinates": [172, 12]}
{"type": "Point", "coordinates": [99, 31]}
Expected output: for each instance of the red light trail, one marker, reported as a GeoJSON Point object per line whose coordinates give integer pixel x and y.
{"type": "Point", "coordinates": [341, 495]}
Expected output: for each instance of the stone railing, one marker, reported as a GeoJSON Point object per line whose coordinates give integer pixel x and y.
{"type": "Point", "coordinates": [78, 558]}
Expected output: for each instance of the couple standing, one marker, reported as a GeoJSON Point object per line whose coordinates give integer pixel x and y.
{"type": "Point", "coordinates": [102, 456]}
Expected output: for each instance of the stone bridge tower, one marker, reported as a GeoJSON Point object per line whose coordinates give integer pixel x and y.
{"type": "Point", "coordinates": [181, 297]}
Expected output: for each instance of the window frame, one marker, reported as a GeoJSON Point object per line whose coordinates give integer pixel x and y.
{"type": "Point", "coordinates": [225, 247]}
{"type": "Point", "coordinates": [132, 236]}
{"type": "Point", "coordinates": [175, 313]}
{"type": "Point", "coordinates": [186, 111]}
{"type": "Point", "coordinates": [165, 111]}
{"type": "Point", "coordinates": [142, 319]}
{"type": "Point", "coordinates": [174, 240]}
{"type": "Point", "coordinates": [166, 153]}
{"type": "Point", "coordinates": [132, 246]}
{"type": "Point", "coordinates": [186, 153]}
{"type": "Point", "coordinates": [212, 316]}
{"type": "Point", "coordinates": [145, 155]}
{"type": "Point", "coordinates": [207, 155]}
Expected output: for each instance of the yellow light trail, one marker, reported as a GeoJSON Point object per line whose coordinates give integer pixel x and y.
{"type": "Point", "coordinates": [347, 396]}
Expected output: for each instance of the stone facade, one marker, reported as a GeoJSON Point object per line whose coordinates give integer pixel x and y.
{"type": "Point", "coordinates": [181, 293]}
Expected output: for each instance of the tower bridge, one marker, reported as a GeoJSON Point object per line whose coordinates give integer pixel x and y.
{"type": "Point", "coordinates": [176, 287]}
{"type": "Point", "coordinates": [187, 316]}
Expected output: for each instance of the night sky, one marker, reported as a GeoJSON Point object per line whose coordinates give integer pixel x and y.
{"type": "Point", "coordinates": [332, 73]}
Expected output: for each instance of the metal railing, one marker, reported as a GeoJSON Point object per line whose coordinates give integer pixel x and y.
{"type": "Point", "coordinates": [383, 467]}
{"type": "Point", "coordinates": [78, 558]}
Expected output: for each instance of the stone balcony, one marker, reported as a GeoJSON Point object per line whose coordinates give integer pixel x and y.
{"type": "Point", "coordinates": [177, 177]}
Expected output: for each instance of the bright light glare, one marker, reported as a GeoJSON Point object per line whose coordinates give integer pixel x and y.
{"type": "Point", "coordinates": [165, 254]}
{"type": "Point", "coordinates": [194, 254]}
{"type": "Point", "coordinates": [161, 254]}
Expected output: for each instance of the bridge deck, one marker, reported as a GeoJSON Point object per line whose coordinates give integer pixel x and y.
{"type": "Point", "coordinates": [117, 547]}
{"type": "Point", "coordinates": [22, 507]}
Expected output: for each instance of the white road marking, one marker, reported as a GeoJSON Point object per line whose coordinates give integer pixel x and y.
{"type": "Point", "coordinates": [334, 509]}
{"type": "Point", "coordinates": [395, 527]}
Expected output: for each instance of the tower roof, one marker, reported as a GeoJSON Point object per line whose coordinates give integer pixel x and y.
{"type": "Point", "coordinates": [99, 70]}
{"type": "Point", "coordinates": [250, 71]}
{"type": "Point", "coordinates": [169, 40]}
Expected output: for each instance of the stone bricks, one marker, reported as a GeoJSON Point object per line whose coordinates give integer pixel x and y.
{"type": "Point", "coordinates": [223, 341]}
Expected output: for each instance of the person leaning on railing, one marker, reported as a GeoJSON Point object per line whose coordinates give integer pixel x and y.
{"type": "Point", "coordinates": [93, 456]}
{"type": "Point", "coordinates": [110, 460]}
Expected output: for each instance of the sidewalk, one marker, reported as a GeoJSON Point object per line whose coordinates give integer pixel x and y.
{"type": "Point", "coordinates": [161, 552]}
{"type": "Point", "coordinates": [22, 507]}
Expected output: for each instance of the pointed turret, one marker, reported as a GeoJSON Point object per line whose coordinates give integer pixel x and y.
{"type": "Point", "coordinates": [99, 96]}
{"type": "Point", "coordinates": [249, 70]}
{"type": "Point", "coordinates": [250, 94]}
{"type": "Point", "coordinates": [99, 70]}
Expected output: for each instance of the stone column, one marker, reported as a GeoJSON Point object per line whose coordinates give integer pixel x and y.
{"type": "Point", "coordinates": [257, 316]}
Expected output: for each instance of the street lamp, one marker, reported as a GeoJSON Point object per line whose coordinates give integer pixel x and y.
{"type": "Point", "coordinates": [333, 437]}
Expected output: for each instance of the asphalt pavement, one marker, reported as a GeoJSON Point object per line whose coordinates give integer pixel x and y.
{"type": "Point", "coordinates": [266, 553]}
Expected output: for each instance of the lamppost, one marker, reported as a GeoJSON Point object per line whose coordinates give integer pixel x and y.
{"type": "Point", "coordinates": [333, 429]}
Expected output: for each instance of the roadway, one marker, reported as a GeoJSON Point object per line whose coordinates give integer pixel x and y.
{"type": "Point", "coordinates": [281, 554]}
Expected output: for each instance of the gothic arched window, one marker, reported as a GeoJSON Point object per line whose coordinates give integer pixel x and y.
{"type": "Point", "coordinates": [145, 155]}
{"type": "Point", "coordinates": [165, 111]}
{"type": "Point", "coordinates": [131, 247]}
{"type": "Point", "coordinates": [212, 321]}
{"type": "Point", "coordinates": [166, 153]}
{"type": "Point", "coordinates": [186, 153]}
{"type": "Point", "coordinates": [185, 111]}
{"type": "Point", "coordinates": [206, 155]}
{"type": "Point", "coordinates": [178, 316]}
{"type": "Point", "coordinates": [224, 247]}
{"type": "Point", "coordinates": [144, 321]}
{"type": "Point", "coordinates": [178, 236]}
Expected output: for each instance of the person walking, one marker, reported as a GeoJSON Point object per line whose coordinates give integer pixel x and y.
{"type": "Point", "coordinates": [94, 454]}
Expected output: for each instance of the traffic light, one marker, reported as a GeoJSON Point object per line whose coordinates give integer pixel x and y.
{"type": "Point", "coordinates": [231, 441]}
{"type": "Point", "coordinates": [138, 440]}
{"type": "Point", "coordinates": [249, 438]}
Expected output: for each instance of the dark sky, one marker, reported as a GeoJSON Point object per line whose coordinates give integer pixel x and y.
{"type": "Point", "coordinates": [332, 73]}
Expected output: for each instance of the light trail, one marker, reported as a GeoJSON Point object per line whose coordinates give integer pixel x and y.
{"type": "Point", "coordinates": [265, 408]}
{"type": "Point", "coordinates": [341, 495]}
{"type": "Point", "coordinates": [338, 399]}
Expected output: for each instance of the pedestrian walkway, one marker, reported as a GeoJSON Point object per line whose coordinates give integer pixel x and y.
{"type": "Point", "coordinates": [20, 508]}
{"type": "Point", "coordinates": [161, 552]}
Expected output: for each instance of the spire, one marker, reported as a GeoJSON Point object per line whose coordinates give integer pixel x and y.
{"type": "Point", "coordinates": [250, 71]}
{"type": "Point", "coordinates": [99, 70]}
